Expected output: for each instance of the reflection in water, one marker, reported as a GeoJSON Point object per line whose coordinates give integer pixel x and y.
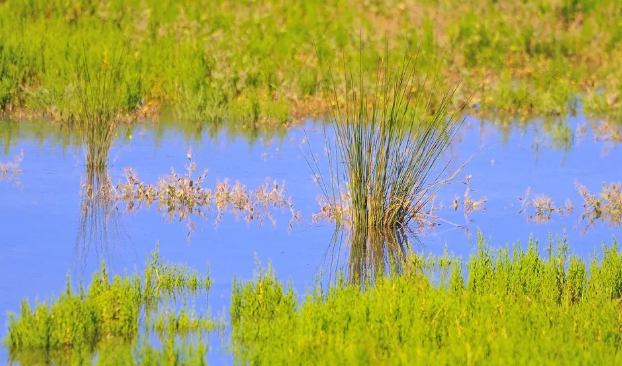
{"type": "Point", "coordinates": [95, 212]}
{"type": "Point", "coordinates": [605, 132]}
{"type": "Point", "coordinates": [558, 134]}
{"type": "Point", "coordinates": [541, 208]}
{"type": "Point", "coordinates": [606, 207]}
{"type": "Point", "coordinates": [100, 229]}
{"type": "Point", "coordinates": [368, 255]}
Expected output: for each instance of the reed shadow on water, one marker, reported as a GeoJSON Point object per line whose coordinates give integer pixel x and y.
{"type": "Point", "coordinates": [386, 163]}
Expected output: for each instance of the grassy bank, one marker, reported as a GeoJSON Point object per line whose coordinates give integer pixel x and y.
{"type": "Point", "coordinates": [511, 307]}
{"type": "Point", "coordinates": [257, 60]}
{"type": "Point", "coordinates": [113, 319]}
{"type": "Point", "coordinates": [503, 306]}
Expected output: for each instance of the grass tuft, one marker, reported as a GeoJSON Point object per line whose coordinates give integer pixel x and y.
{"type": "Point", "coordinates": [112, 310]}
{"type": "Point", "coordinates": [391, 140]}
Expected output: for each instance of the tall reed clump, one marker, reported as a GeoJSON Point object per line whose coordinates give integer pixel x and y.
{"type": "Point", "coordinates": [112, 310]}
{"type": "Point", "coordinates": [101, 95]}
{"type": "Point", "coordinates": [102, 91]}
{"type": "Point", "coordinates": [391, 140]}
{"type": "Point", "coordinates": [512, 306]}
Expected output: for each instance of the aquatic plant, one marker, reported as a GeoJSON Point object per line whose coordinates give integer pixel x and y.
{"type": "Point", "coordinates": [391, 139]}
{"type": "Point", "coordinates": [541, 208]}
{"type": "Point", "coordinates": [100, 100]}
{"type": "Point", "coordinates": [10, 169]}
{"type": "Point", "coordinates": [510, 306]}
{"type": "Point", "coordinates": [426, 222]}
{"type": "Point", "coordinates": [182, 196]}
{"type": "Point", "coordinates": [110, 311]}
{"type": "Point", "coordinates": [469, 204]}
{"type": "Point", "coordinates": [606, 208]}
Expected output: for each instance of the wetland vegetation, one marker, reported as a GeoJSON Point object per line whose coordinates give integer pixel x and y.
{"type": "Point", "coordinates": [253, 61]}
{"type": "Point", "coordinates": [386, 164]}
{"type": "Point", "coordinates": [182, 197]}
{"type": "Point", "coordinates": [605, 207]}
{"type": "Point", "coordinates": [506, 306]}
{"type": "Point", "coordinates": [111, 312]}
{"type": "Point", "coordinates": [396, 89]}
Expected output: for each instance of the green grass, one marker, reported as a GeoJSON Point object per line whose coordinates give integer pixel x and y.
{"type": "Point", "coordinates": [388, 160]}
{"type": "Point", "coordinates": [99, 93]}
{"type": "Point", "coordinates": [112, 311]}
{"type": "Point", "coordinates": [510, 306]}
{"type": "Point", "coordinates": [518, 305]}
{"type": "Point", "coordinates": [256, 60]}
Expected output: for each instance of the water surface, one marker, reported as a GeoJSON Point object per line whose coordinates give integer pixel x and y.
{"type": "Point", "coordinates": [41, 222]}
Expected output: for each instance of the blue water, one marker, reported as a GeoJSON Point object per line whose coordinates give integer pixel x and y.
{"type": "Point", "coordinates": [39, 224]}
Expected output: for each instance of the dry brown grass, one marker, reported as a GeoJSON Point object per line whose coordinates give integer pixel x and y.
{"type": "Point", "coordinates": [181, 196]}
{"type": "Point", "coordinates": [604, 207]}
{"type": "Point", "coordinates": [10, 170]}
{"type": "Point", "coordinates": [541, 208]}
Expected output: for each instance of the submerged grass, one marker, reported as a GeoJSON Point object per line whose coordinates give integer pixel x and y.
{"type": "Point", "coordinates": [218, 60]}
{"type": "Point", "coordinates": [512, 306]}
{"type": "Point", "coordinates": [112, 310]}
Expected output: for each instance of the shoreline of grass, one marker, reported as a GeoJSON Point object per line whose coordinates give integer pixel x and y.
{"type": "Point", "coordinates": [115, 315]}
{"type": "Point", "coordinates": [509, 305]}
{"type": "Point", "coordinates": [216, 60]}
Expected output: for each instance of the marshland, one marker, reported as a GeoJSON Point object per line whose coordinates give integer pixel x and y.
{"type": "Point", "coordinates": [268, 182]}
